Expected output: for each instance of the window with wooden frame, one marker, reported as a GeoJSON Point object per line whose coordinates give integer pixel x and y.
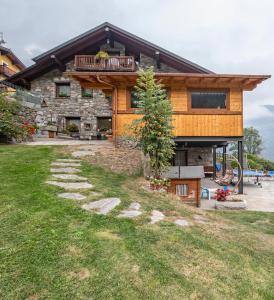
{"type": "Point", "coordinates": [132, 100]}
{"type": "Point", "coordinates": [87, 92]}
{"type": "Point", "coordinates": [210, 100]}
{"type": "Point", "coordinates": [63, 89]}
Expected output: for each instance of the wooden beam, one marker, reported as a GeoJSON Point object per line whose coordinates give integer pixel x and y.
{"type": "Point", "coordinates": [61, 65]}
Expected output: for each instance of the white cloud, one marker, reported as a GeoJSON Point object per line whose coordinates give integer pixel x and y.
{"type": "Point", "coordinates": [33, 49]}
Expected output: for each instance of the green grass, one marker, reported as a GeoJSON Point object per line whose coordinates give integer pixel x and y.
{"type": "Point", "coordinates": [52, 249]}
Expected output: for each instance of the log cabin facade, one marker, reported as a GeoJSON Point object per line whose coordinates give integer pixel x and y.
{"type": "Point", "coordinates": [93, 93]}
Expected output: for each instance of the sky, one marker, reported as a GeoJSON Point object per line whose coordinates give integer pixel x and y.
{"type": "Point", "coordinates": [231, 36]}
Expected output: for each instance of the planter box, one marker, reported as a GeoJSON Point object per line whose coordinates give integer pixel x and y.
{"type": "Point", "coordinates": [231, 205]}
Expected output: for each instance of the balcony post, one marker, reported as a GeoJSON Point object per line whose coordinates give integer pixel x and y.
{"type": "Point", "coordinates": [240, 168]}
{"type": "Point", "coordinates": [224, 160]}
{"type": "Point", "coordinates": [214, 162]}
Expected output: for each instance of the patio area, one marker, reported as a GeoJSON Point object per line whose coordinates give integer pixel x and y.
{"type": "Point", "coordinates": [257, 198]}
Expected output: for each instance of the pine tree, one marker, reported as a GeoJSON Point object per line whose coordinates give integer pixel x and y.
{"type": "Point", "coordinates": [154, 129]}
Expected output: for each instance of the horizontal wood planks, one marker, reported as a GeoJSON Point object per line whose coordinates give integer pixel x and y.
{"type": "Point", "coordinates": [186, 122]}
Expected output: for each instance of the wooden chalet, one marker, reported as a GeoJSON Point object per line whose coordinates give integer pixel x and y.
{"type": "Point", "coordinates": [78, 87]}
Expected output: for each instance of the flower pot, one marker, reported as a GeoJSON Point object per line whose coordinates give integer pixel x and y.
{"type": "Point", "coordinates": [51, 134]}
{"type": "Point", "coordinates": [109, 137]}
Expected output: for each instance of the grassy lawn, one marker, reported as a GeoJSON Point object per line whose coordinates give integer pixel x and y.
{"type": "Point", "coordinates": [51, 249]}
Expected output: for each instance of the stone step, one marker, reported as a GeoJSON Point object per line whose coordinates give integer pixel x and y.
{"type": "Point", "coordinates": [82, 153]}
{"type": "Point", "coordinates": [65, 164]}
{"type": "Point", "coordinates": [103, 206]}
{"type": "Point", "coordinates": [71, 185]}
{"type": "Point", "coordinates": [156, 216]}
{"type": "Point", "coordinates": [129, 214]}
{"type": "Point", "coordinates": [181, 222]}
{"type": "Point", "coordinates": [68, 160]}
{"type": "Point", "coordinates": [69, 177]}
{"type": "Point", "coordinates": [64, 170]}
{"type": "Point", "coordinates": [72, 196]}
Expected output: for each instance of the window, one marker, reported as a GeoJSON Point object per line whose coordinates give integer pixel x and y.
{"type": "Point", "coordinates": [134, 101]}
{"type": "Point", "coordinates": [63, 90]}
{"type": "Point", "coordinates": [209, 99]}
{"type": "Point", "coordinates": [87, 93]}
{"type": "Point", "coordinates": [182, 189]}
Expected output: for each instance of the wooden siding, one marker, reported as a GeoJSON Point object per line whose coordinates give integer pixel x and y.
{"type": "Point", "coordinates": [189, 123]}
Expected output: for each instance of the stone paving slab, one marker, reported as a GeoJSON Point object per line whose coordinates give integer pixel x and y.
{"type": "Point", "coordinates": [82, 153]}
{"type": "Point", "coordinates": [71, 185]}
{"type": "Point", "coordinates": [64, 170]}
{"type": "Point", "coordinates": [69, 177]}
{"type": "Point", "coordinates": [156, 216]}
{"type": "Point", "coordinates": [65, 164]}
{"type": "Point", "coordinates": [181, 222]}
{"type": "Point", "coordinates": [68, 160]}
{"type": "Point", "coordinates": [72, 196]}
{"type": "Point", "coordinates": [129, 214]}
{"type": "Point", "coordinates": [135, 206]}
{"type": "Point", "coordinates": [103, 206]}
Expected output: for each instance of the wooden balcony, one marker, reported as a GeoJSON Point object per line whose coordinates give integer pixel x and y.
{"type": "Point", "coordinates": [113, 63]}
{"type": "Point", "coordinates": [6, 71]}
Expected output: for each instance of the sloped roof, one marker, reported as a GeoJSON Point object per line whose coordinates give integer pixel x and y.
{"type": "Point", "coordinates": [16, 61]}
{"type": "Point", "coordinates": [44, 62]}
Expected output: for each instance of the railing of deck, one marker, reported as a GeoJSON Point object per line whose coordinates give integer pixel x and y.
{"type": "Point", "coordinates": [113, 63]}
{"type": "Point", "coordinates": [6, 71]}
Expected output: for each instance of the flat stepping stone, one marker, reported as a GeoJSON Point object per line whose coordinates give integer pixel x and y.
{"type": "Point", "coordinates": [135, 206]}
{"type": "Point", "coordinates": [64, 170]}
{"type": "Point", "coordinates": [156, 216]}
{"type": "Point", "coordinates": [129, 214]}
{"type": "Point", "coordinates": [65, 164]}
{"type": "Point", "coordinates": [103, 206]}
{"type": "Point", "coordinates": [69, 177]}
{"type": "Point", "coordinates": [71, 185]}
{"type": "Point", "coordinates": [72, 196]}
{"type": "Point", "coordinates": [68, 160]}
{"type": "Point", "coordinates": [181, 222]}
{"type": "Point", "coordinates": [200, 219]}
{"type": "Point", "coordinates": [82, 153]}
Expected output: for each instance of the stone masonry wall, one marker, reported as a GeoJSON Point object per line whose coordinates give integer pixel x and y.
{"type": "Point", "coordinates": [57, 109]}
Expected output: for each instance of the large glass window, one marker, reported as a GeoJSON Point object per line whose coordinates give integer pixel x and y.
{"type": "Point", "coordinates": [134, 101]}
{"type": "Point", "coordinates": [63, 90]}
{"type": "Point", "coordinates": [209, 99]}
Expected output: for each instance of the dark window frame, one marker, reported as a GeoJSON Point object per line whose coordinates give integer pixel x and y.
{"type": "Point", "coordinates": [85, 96]}
{"type": "Point", "coordinates": [57, 89]}
{"type": "Point", "coordinates": [205, 109]}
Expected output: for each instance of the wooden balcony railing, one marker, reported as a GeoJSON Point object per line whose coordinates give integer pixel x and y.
{"type": "Point", "coordinates": [113, 63]}
{"type": "Point", "coordinates": [6, 71]}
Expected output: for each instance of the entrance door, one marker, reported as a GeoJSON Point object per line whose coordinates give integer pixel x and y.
{"type": "Point", "coordinates": [180, 158]}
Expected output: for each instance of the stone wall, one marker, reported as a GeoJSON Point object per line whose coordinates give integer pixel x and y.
{"type": "Point", "coordinates": [198, 156]}
{"type": "Point", "coordinates": [146, 61]}
{"type": "Point", "coordinates": [56, 109]}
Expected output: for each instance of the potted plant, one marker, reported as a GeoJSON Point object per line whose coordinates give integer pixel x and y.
{"type": "Point", "coordinates": [73, 130]}
{"type": "Point", "coordinates": [109, 134]}
{"type": "Point", "coordinates": [102, 55]}
{"type": "Point", "coordinates": [51, 128]}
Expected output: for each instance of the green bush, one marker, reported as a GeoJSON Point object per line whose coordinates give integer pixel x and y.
{"type": "Point", "coordinates": [12, 124]}
{"type": "Point", "coordinates": [72, 128]}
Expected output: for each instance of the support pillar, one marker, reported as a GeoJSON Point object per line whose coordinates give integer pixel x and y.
{"type": "Point", "coordinates": [240, 170]}
{"type": "Point", "coordinates": [224, 161]}
{"type": "Point", "coordinates": [214, 162]}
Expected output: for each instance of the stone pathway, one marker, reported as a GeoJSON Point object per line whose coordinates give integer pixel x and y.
{"type": "Point", "coordinates": [64, 170]}
{"type": "Point", "coordinates": [72, 196]}
{"type": "Point", "coordinates": [132, 212]}
{"type": "Point", "coordinates": [65, 164]}
{"type": "Point", "coordinates": [69, 177]}
{"type": "Point", "coordinates": [103, 206]}
{"type": "Point", "coordinates": [181, 222]}
{"type": "Point", "coordinates": [82, 153]}
{"type": "Point", "coordinates": [71, 185]}
{"type": "Point", "coordinates": [156, 216]}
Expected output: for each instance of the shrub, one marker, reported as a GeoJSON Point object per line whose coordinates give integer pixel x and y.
{"type": "Point", "coordinates": [72, 128]}
{"type": "Point", "coordinates": [12, 124]}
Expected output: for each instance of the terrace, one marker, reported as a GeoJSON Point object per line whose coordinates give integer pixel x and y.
{"type": "Point", "coordinates": [113, 63]}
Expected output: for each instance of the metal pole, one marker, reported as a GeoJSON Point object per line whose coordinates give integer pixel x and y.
{"type": "Point", "coordinates": [240, 169]}
{"type": "Point", "coordinates": [224, 160]}
{"type": "Point", "coordinates": [214, 162]}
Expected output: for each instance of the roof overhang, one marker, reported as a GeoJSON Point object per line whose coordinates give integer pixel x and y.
{"type": "Point", "coordinates": [246, 82]}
